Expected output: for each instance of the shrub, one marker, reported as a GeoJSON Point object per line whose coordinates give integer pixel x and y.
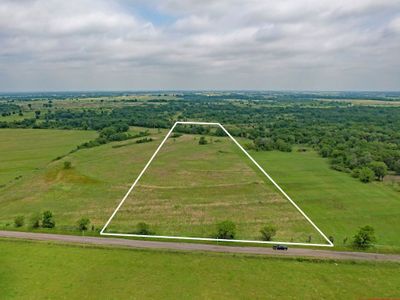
{"type": "Point", "coordinates": [83, 224]}
{"type": "Point", "coordinates": [364, 238]}
{"type": "Point", "coordinates": [397, 167]}
{"type": "Point", "coordinates": [34, 221]}
{"type": "Point", "coordinates": [366, 175]}
{"type": "Point", "coordinates": [176, 135]}
{"type": "Point", "coordinates": [355, 173]}
{"type": "Point", "coordinates": [67, 165]}
{"type": "Point", "coordinates": [380, 169]}
{"type": "Point", "coordinates": [226, 230]}
{"type": "Point", "coordinates": [268, 232]}
{"type": "Point", "coordinates": [19, 221]}
{"type": "Point", "coordinates": [143, 228]}
{"type": "Point", "coordinates": [144, 140]}
{"type": "Point", "coordinates": [48, 220]}
{"type": "Point", "coordinates": [202, 141]}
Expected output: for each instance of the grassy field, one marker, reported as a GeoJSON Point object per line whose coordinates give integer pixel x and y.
{"type": "Point", "coordinates": [100, 177]}
{"type": "Point", "coordinates": [25, 151]}
{"type": "Point", "coordinates": [33, 270]}
{"type": "Point", "coordinates": [336, 202]}
{"type": "Point", "coordinates": [189, 188]}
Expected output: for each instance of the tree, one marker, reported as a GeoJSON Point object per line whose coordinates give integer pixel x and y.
{"type": "Point", "coordinates": [19, 221]}
{"type": "Point", "coordinates": [364, 238]}
{"type": "Point", "coordinates": [34, 221]}
{"type": "Point", "coordinates": [226, 230]}
{"type": "Point", "coordinates": [202, 141]}
{"type": "Point", "coordinates": [143, 228]}
{"type": "Point", "coordinates": [83, 224]}
{"type": "Point", "coordinates": [366, 175]}
{"type": "Point", "coordinates": [325, 151]}
{"type": "Point", "coordinates": [265, 144]}
{"type": "Point", "coordinates": [48, 220]}
{"type": "Point", "coordinates": [220, 132]}
{"type": "Point", "coordinates": [379, 168]}
{"type": "Point", "coordinates": [107, 132]}
{"type": "Point", "coordinates": [396, 167]}
{"type": "Point", "coordinates": [268, 232]}
{"type": "Point", "coordinates": [67, 165]}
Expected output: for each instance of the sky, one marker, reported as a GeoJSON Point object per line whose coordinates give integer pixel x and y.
{"type": "Point", "coordinates": [57, 45]}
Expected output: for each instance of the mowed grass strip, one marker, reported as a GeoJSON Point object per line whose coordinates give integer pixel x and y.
{"type": "Point", "coordinates": [35, 270]}
{"type": "Point", "coordinates": [190, 188]}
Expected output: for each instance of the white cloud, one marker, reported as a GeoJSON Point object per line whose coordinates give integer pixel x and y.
{"type": "Point", "coordinates": [207, 44]}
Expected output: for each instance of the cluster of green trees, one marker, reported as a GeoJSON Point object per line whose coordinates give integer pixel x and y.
{"type": "Point", "coordinates": [7, 109]}
{"type": "Point", "coordinates": [44, 220]}
{"type": "Point", "coordinates": [361, 140]}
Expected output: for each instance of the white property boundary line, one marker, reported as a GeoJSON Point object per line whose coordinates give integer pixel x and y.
{"type": "Point", "coordinates": [330, 244]}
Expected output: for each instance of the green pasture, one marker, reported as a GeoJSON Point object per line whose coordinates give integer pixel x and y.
{"type": "Point", "coordinates": [336, 202]}
{"type": "Point", "coordinates": [189, 188]}
{"type": "Point", "coordinates": [100, 177]}
{"type": "Point", "coordinates": [35, 270]}
{"type": "Point", "coordinates": [25, 151]}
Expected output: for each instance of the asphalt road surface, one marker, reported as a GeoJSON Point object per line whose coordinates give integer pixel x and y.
{"type": "Point", "coordinates": [120, 242]}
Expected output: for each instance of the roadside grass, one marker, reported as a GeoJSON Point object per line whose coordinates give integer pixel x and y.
{"type": "Point", "coordinates": [48, 270]}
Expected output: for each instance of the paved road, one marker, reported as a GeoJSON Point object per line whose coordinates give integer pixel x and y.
{"type": "Point", "coordinates": [293, 252]}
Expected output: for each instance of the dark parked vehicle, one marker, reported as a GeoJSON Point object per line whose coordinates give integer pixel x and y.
{"type": "Point", "coordinates": [279, 247]}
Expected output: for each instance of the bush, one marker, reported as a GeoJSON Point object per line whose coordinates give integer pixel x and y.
{"type": "Point", "coordinates": [364, 238]}
{"type": "Point", "coordinates": [203, 141]}
{"type": "Point", "coordinates": [366, 175]}
{"type": "Point", "coordinates": [176, 135]}
{"type": "Point", "coordinates": [83, 224]}
{"type": "Point", "coordinates": [67, 165]}
{"type": "Point", "coordinates": [397, 167]}
{"type": "Point", "coordinates": [34, 221]}
{"type": "Point", "coordinates": [144, 140]}
{"type": "Point", "coordinates": [226, 230]}
{"type": "Point", "coordinates": [48, 220]}
{"type": "Point", "coordinates": [355, 173]}
{"type": "Point", "coordinates": [268, 232]}
{"type": "Point", "coordinates": [143, 228]}
{"type": "Point", "coordinates": [380, 169]}
{"type": "Point", "coordinates": [19, 221]}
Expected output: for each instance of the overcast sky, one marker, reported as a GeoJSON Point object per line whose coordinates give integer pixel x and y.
{"type": "Point", "coordinates": [192, 44]}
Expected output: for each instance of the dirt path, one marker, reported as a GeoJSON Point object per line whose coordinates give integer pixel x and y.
{"type": "Point", "coordinates": [294, 252]}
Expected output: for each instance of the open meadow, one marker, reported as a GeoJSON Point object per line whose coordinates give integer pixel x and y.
{"type": "Point", "coordinates": [189, 188]}
{"type": "Point", "coordinates": [25, 151]}
{"type": "Point", "coordinates": [336, 202]}
{"type": "Point", "coordinates": [100, 177]}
